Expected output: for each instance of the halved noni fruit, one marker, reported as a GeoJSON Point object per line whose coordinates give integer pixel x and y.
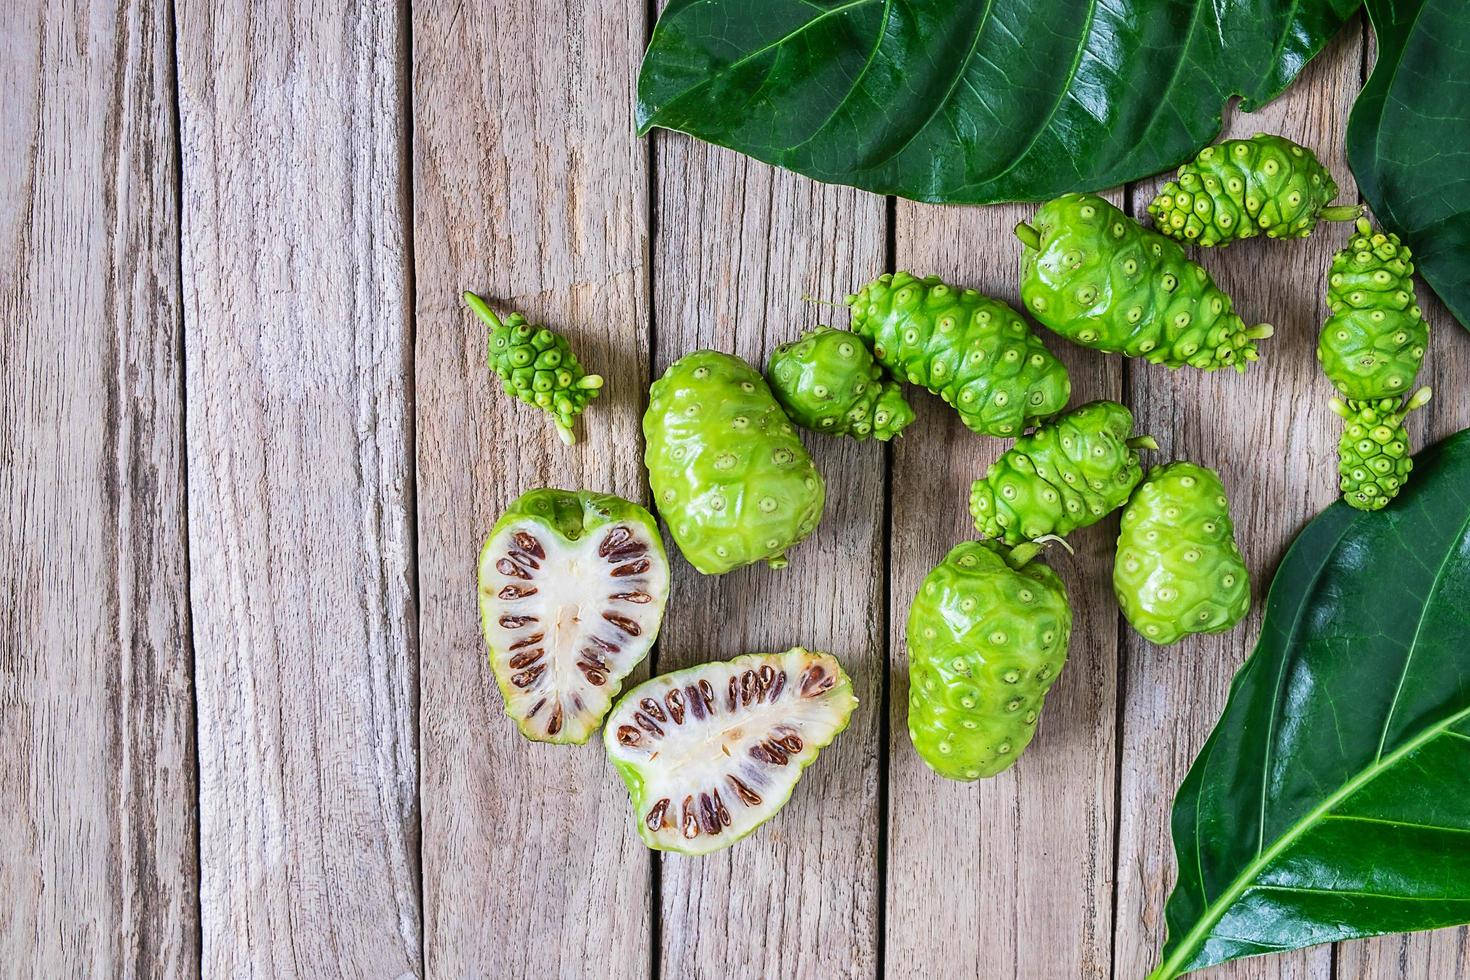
{"type": "Point", "coordinates": [572, 592]}
{"type": "Point", "coordinates": [712, 752]}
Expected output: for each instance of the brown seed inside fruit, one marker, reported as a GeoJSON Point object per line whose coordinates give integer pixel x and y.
{"type": "Point", "coordinates": [778, 686]}
{"type": "Point", "coordinates": [647, 724]}
{"type": "Point", "coordinates": [747, 795]}
{"type": "Point", "coordinates": [507, 567]}
{"type": "Point", "coordinates": [527, 677]}
{"type": "Point", "coordinates": [720, 810]}
{"type": "Point", "coordinates": [554, 725]}
{"type": "Point", "coordinates": [652, 707]}
{"type": "Point", "coordinates": [732, 695]}
{"type": "Point", "coordinates": [689, 825]}
{"type": "Point", "coordinates": [525, 658]}
{"type": "Point", "coordinates": [516, 622]}
{"type": "Point", "coordinates": [707, 695]}
{"type": "Point", "coordinates": [529, 544]}
{"type": "Point", "coordinates": [632, 568]}
{"type": "Point", "coordinates": [527, 641]}
{"type": "Point", "coordinates": [816, 680]}
{"type": "Point", "coordinates": [639, 597]}
{"type": "Point", "coordinates": [655, 818]}
{"type": "Point", "coordinates": [767, 678]}
{"type": "Point", "coordinates": [628, 735]}
{"type": "Point", "coordinates": [623, 623]}
{"type": "Point", "coordinates": [516, 592]}
{"type": "Point", "coordinates": [696, 703]}
{"type": "Point", "coordinates": [675, 702]}
{"type": "Point", "coordinates": [609, 647]}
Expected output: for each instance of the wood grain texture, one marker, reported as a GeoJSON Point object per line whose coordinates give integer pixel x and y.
{"type": "Point", "coordinates": [738, 245]}
{"type": "Point", "coordinates": [97, 789]}
{"type": "Point", "coordinates": [529, 188]}
{"type": "Point", "coordinates": [1273, 440]}
{"type": "Point", "coordinates": [1009, 876]}
{"type": "Point", "coordinates": [297, 329]}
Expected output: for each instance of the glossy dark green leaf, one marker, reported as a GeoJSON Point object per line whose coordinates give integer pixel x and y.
{"type": "Point", "coordinates": [971, 101]}
{"type": "Point", "coordinates": [1408, 138]}
{"type": "Point", "coordinates": [1332, 800]}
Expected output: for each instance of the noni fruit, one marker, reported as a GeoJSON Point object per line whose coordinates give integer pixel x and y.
{"type": "Point", "coordinates": [728, 471]}
{"type": "Point", "coordinates": [1373, 456]}
{"type": "Point", "coordinates": [712, 752]}
{"type": "Point", "coordinates": [1177, 569]}
{"type": "Point", "coordinates": [1266, 185]}
{"type": "Point", "coordinates": [973, 351]}
{"type": "Point", "coordinates": [572, 592]}
{"type": "Point", "coordinates": [1068, 473]}
{"type": "Point", "coordinates": [1097, 277]}
{"type": "Point", "coordinates": [987, 637]}
{"type": "Point", "coordinates": [1373, 342]}
{"type": "Point", "coordinates": [827, 381]}
{"type": "Point", "coordinates": [537, 366]}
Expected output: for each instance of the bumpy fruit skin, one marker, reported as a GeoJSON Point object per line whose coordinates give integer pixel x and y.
{"type": "Point", "coordinates": [1373, 342]}
{"type": "Point", "coordinates": [1068, 473]}
{"type": "Point", "coordinates": [987, 637]}
{"type": "Point", "coordinates": [973, 351]}
{"type": "Point", "coordinates": [712, 752]}
{"type": "Point", "coordinates": [558, 674]}
{"type": "Point", "coordinates": [827, 381]}
{"type": "Point", "coordinates": [537, 366]}
{"type": "Point", "coordinates": [1373, 455]}
{"type": "Point", "coordinates": [1100, 279]}
{"type": "Point", "coordinates": [1177, 569]}
{"type": "Point", "coordinates": [728, 471]}
{"type": "Point", "coordinates": [1265, 185]}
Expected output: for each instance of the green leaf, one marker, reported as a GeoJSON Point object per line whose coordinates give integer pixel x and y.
{"type": "Point", "coordinates": [969, 101]}
{"type": "Point", "coordinates": [1332, 800]}
{"type": "Point", "coordinates": [1408, 139]}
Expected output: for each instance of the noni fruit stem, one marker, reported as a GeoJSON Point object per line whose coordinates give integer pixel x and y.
{"type": "Point", "coordinates": [1070, 472]}
{"type": "Point", "coordinates": [729, 474]}
{"type": "Point", "coordinates": [1177, 569]}
{"type": "Point", "coordinates": [1373, 459]}
{"type": "Point", "coordinates": [987, 637]}
{"type": "Point", "coordinates": [1373, 342]}
{"type": "Point", "coordinates": [1241, 188]}
{"type": "Point", "coordinates": [537, 366]}
{"type": "Point", "coordinates": [1097, 277]}
{"type": "Point", "coordinates": [975, 352]}
{"type": "Point", "coordinates": [828, 381]}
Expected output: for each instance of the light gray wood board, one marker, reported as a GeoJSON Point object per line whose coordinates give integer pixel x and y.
{"type": "Point", "coordinates": [97, 837]}
{"type": "Point", "coordinates": [1273, 440]}
{"type": "Point", "coordinates": [979, 872]}
{"type": "Point", "coordinates": [738, 246]}
{"type": "Point", "coordinates": [296, 279]}
{"type": "Point", "coordinates": [529, 188]}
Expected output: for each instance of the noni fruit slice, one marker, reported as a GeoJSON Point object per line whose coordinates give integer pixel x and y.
{"type": "Point", "coordinates": [537, 366]}
{"type": "Point", "coordinates": [1068, 473]}
{"type": "Point", "coordinates": [729, 473]}
{"type": "Point", "coordinates": [973, 351]}
{"type": "Point", "coordinates": [1099, 278]}
{"type": "Point", "coordinates": [987, 637]}
{"type": "Point", "coordinates": [1177, 569]}
{"type": "Point", "coordinates": [827, 381]}
{"type": "Point", "coordinates": [1373, 342]}
{"type": "Point", "coordinates": [572, 591]}
{"type": "Point", "coordinates": [1265, 185]}
{"type": "Point", "coordinates": [1373, 459]}
{"type": "Point", "coordinates": [712, 752]}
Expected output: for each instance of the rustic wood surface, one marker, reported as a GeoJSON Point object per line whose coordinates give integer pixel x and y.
{"type": "Point", "coordinates": [249, 451]}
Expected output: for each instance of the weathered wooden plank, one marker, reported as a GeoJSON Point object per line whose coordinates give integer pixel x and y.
{"type": "Point", "coordinates": [97, 836]}
{"type": "Point", "coordinates": [1273, 440]}
{"type": "Point", "coordinates": [297, 328]}
{"type": "Point", "coordinates": [1011, 876]}
{"type": "Point", "coordinates": [530, 188]}
{"type": "Point", "coordinates": [738, 245]}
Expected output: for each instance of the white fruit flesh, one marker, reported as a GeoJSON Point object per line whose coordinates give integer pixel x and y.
{"type": "Point", "coordinates": [712, 752]}
{"type": "Point", "coordinates": [567, 621]}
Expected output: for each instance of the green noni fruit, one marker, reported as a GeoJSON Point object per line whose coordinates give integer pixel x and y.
{"type": "Point", "coordinates": [1177, 569]}
{"type": "Point", "coordinates": [1266, 185]}
{"type": "Point", "coordinates": [572, 592]}
{"type": "Point", "coordinates": [537, 366]}
{"type": "Point", "coordinates": [1068, 473]}
{"type": "Point", "coordinates": [1373, 342]}
{"type": "Point", "coordinates": [728, 471]}
{"type": "Point", "coordinates": [712, 752]}
{"type": "Point", "coordinates": [1373, 455]}
{"type": "Point", "coordinates": [1099, 278]}
{"type": "Point", "coordinates": [973, 351]}
{"type": "Point", "coordinates": [987, 637]}
{"type": "Point", "coordinates": [827, 381]}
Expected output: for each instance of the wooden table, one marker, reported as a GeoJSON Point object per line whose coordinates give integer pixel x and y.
{"type": "Point", "coordinates": [250, 448]}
